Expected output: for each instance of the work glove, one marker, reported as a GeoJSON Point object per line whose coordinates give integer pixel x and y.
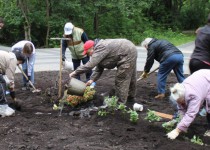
{"type": "Point", "coordinates": [144, 75]}
{"type": "Point", "coordinates": [173, 134]}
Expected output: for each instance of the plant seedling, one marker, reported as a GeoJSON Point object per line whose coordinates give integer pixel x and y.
{"type": "Point", "coordinates": [134, 116]}
{"type": "Point", "coordinates": [169, 126]}
{"type": "Point", "coordinates": [111, 102]}
{"type": "Point", "coordinates": [196, 140]}
{"type": "Point", "coordinates": [102, 113]}
{"type": "Point", "coordinates": [122, 107]}
{"type": "Point", "coordinates": [151, 116]}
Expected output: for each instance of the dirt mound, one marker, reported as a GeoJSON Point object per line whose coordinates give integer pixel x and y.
{"type": "Point", "coordinates": [38, 127]}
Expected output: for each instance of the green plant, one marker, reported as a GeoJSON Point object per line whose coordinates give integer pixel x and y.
{"type": "Point", "coordinates": [151, 116]}
{"type": "Point", "coordinates": [196, 140]}
{"type": "Point", "coordinates": [111, 102]}
{"type": "Point", "coordinates": [122, 107]}
{"type": "Point", "coordinates": [169, 126]}
{"type": "Point", "coordinates": [134, 116]}
{"type": "Point", "coordinates": [102, 113]}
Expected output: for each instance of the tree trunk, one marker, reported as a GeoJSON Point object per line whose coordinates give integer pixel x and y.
{"type": "Point", "coordinates": [23, 5]}
{"type": "Point", "coordinates": [47, 20]}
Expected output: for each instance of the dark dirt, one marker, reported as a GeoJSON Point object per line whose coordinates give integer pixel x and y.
{"type": "Point", "coordinates": [38, 127]}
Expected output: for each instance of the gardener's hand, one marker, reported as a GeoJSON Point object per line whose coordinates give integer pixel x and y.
{"type": "Point", "coordinates": [89, 82]}
{"type": "Point", "coordinates": [173, 134]}
{"type": "Point", "coordinates": [72, 74]}
{"type": "Point", "coordinates": [144, 75]}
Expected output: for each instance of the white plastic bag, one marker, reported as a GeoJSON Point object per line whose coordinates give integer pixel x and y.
{"type": "Point", "coordinates": [5, 110]}
{"type": "Point", "coordinates": [68, 65]}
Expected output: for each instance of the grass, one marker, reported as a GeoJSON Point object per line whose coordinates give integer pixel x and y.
{"type": "Point", "coordinates": [177, 38]}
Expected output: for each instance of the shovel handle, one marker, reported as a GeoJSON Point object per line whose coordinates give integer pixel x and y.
{"type": "Point", "coordinates": [26, 77]}
{"type": "Point", "coordinates": [163, 115]}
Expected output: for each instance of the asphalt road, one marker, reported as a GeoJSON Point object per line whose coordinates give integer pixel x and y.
{"type": "Point", "coordinates": [48, 59]}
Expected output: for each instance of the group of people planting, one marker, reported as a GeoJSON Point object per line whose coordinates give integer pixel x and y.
{"type": "Point", "coordinates": [188, 95]}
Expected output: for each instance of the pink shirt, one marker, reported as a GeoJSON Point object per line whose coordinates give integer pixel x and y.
{"type": "Point", "coordinates": [197, 90]}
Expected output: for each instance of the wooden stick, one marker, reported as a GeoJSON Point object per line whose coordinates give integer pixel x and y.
{"type": "Point", "coordinates": [163, 115]}
{"type": "Point", "coordinates": [60, 71]}
{"type": "Point", "coordinates": [35, 90]}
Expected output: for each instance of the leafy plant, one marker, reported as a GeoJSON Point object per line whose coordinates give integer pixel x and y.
{"type": "Point", "coordinates": [196, 140]}
{"type": "Point", "coordinates": [102, 113]}
{"type": "Point", "coordinates": [169, 126]}
{"type": "Point", "coordinates": [151, 116]}
{"type": "Point", "coordinates": [74, 100]}
{"type": "Point", "coordinates": [111, 102]}
{"type": "Point", "coordinates": [134, 116]}
{"type": "Point", "coordinates": [122, 107]}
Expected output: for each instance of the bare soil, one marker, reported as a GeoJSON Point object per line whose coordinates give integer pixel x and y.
{"type": "Point", "coordinates": [38, 127]}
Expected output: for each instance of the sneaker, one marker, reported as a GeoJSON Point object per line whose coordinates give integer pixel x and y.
{"type": "Point", "coordinates": [207, 133]}
{"type": "Point", "coordinates": [160, 96]}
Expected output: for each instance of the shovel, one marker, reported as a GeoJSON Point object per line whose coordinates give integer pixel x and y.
{"type": "Point", "coordinates": [149, 73]}
{"type": "Point", "coordinates": [35, 90]}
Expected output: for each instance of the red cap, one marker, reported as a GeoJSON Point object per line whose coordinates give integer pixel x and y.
{"type": "Point", "coordinates": [87, 46]}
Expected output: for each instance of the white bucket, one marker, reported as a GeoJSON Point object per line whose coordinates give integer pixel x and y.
{"type": "Point", "coordinates": [137, 107]}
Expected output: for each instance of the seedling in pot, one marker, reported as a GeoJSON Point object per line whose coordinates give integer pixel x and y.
{"type": "Point", "coordinates": [151, 116]}
{"type": "Point", "coordinates": [196, 140]}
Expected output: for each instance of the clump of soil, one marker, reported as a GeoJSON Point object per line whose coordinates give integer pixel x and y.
{"type": "Point", "coordinates": [38, 127]}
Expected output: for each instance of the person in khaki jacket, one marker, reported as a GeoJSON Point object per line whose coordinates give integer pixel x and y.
{"type": "Point", "coordinates": [8, 63]}
{"type": "Point", "coordinates": [111, 53]}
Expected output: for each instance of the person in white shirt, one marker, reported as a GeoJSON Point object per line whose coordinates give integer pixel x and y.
{"type": "Point", "coordinates": [28, 49]}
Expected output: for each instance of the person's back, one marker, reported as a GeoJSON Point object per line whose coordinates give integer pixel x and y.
{"type": "Point", "coordinates": [200, 58]}
{"type": "Point", "coordinates": [163, 49]}
{"type": "Point", "coordinates": [202, 44]}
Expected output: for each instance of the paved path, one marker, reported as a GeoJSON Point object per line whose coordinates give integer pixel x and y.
{"type": "Point", "coordinates": [48, 59]}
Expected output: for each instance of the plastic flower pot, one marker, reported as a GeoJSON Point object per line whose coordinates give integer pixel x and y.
{"type": "Point", "coordinates": [76, 87]}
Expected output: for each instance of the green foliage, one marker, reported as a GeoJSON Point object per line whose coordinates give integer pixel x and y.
{"type": "Point", "coordinates": [169, 126]}
{"type": "Point", "coordinates": [196, 140]}
{"type": "Point", "coordinates": [112, 106]}
{"type": "Point", "coordinates": [134, 116]}
{"type": "Point", "coordinates": [151, 116]}
{"type": "Point", "coordinates": [102, 113]}
{"type": "Point", "coordinates": [134, 20]}
{"type": "Point", "coordinates": [111, 102]}
{"type": "Point", "coordinates": [122, 107]}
